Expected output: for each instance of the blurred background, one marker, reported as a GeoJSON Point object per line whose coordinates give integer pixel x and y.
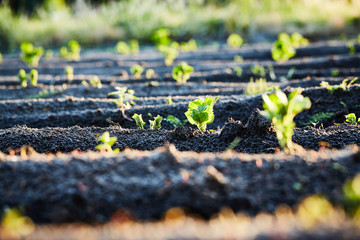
{"type": "Point", "coordinates": [51, 23]}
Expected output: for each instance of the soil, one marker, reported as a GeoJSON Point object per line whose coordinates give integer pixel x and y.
{"type": "Point", "coordinates": [236, 163]}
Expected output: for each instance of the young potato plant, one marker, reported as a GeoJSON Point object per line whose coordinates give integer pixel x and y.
{"type": "Point", "coordinates": [234, 40]}
{"type": "Point", "coordinates": [137, 70]}
{"type": "Point", "coordinates": [69, 72]}
{"type": "Point", "coordinates": [1, 59]}
{"type": "Point", "coordinates": [107, 143]}
{"type": "Point", "coordinates": [125, 99]}
{"type": "Point", "coordinates": [351, 118]}
{"type": "Point", "coordinates": [170, 52]}
{"type": "Point", "coordinates": [188, 46]}
{"type": "Point", "coordinates": [156, 123]}
{"type": "Point", "coordinates": [24, 78]}
{"type": "Point", "coordinates": [30, 55]}
{"type": "Point", "coordinates": [238, 71]}
{"type": "Point", "coordinates": [94, 81]}
{"type": "Point", "coordinates": [71, 51]}
{"type": "Point", "coordinates": [258, 70]}
{"type": "Point", "coordinates": [281, 110]}
{"type": "Point", "coordinates": [259, 86]}
{"type": "Point", "coordinates": [182, 72]}
{"type": "Point", "coordinates": [176, 122]}
{"type": "Point", "coordinates": [200, 112]}
{"type": "Point", "coordinates": [126, 49]}
{"type": "Point", "coordinates": [161, 37]}
{"type": "Point", "coordinates": [284, 47]}
{"type": "Point", "coordinates": [344, 85]}
{"type": "Point", "coordinates": [139, 121]}
{"type": "Point", "coordinates": [149, 73]}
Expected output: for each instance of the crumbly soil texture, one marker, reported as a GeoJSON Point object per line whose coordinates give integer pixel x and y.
{"type": "Point", "coordinates": [236, 162]}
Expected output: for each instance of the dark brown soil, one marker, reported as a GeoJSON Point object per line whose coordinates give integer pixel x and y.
{"type": "Point", "coordinates": [191, 169]}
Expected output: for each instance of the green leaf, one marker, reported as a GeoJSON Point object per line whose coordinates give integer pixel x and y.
{"type": "Point", "coordinates": [200, 112]}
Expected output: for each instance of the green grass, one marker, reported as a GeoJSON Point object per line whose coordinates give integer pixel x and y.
{"type": "Point", "coordinates": [138, 19]}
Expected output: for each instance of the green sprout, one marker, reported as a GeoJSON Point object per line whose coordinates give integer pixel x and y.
{"type": "Point", "coordinates": [137, 70]}
{"type": "Point", "coordinates": [139, 121]}
{"type": "Point", "coordinates": [181, 73]}
{"type": "Point", "coordinates": [170, 52]}
{"type": "Point", "coordinates": [188, 46]}
{"type": "Point", "coordinates": [238, 71]}
{"type": "Point", "coordinates": [156, 123]}
{"type": "Point", "coordinates": [335, 72]}
{"type": "Point", "coordinates": [319, 118]}
{"type": "Point", "coordinates": [34, 75]}
{"type": "Point", "coordinates": [169, 100]}
{"type": "Point", "coordinates": [152, 84]}
{"type": "Point", "coordinates": [238, 59]}
{"type": "Point", "coordinates": [125, 99]}
{"type": "Point", "coordinates": [94, 81]}
{"type": "Point", "coordinates": [31, 55]}
{"type": "Point", "coordinates": [45, 93]}
{"type": "Point", "coordinates": [176, 122]}
{"type": "Point", "coordinates": [351, 47]}
{"type": "Point", "coordinates": [24, 78]}
{"type": "Point", "coordinates": [351, 118]}
{"type": "Point", "coordinates": [344, 85]}
{"type": "Point", "coordinates": [282, 49]}
{"type": "Point", "coordinates": [234, 41]}
{"type": "Point", "coordinates": [258, 70]}
{"type": "Point", "coordinates": [259, 86]}
{"type": "Point", "coordinates": [107, 143]}
{"type": "Point", "coordinates": [200, 112]}
{"type": "Point", "coordinates": [134, 46]}
{"type": "Point", "coordinates": [1, 58]}
{"type": "Point", "coordinates": [71, 51]}
{"type": "Point", "coordinates": [123, 48]}
{"type": "Point", "coordinates": [281, 110]}
{"type": "Point", "coordinates": [49, 54]}
{"type": "Point", "coordinates": [69, 72]}
{"type": "Point", "coordinates": [161, 37]}
{"type": "Point", "coordinates": [149, 73]}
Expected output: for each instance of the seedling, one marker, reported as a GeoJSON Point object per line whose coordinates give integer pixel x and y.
{"type": "Point", "coordinates": [200, 112]}
{"type": "Point", "coordinates": [156, 123]}
{"type": "Point", "coordinates": [238, 71]}
{"type": "Point", "coordinates": [125, 99]}
{"type": "Point", "coordinates": [161, 37]}
{"type": "Point", "coordinates": [49, 54]}
{"type": "Point", "coordinates": [1, 59]}
{"type": "Point", "coordinates": [30, 55]}
{"type": "Point", "coordinates": [47, 93]}
{"type": "Point", "coordinates": [139, 121]}
{"type": "Point", "coordinates": [238, 59]}
{"type": "Point", "coordinates": [149, 73]}
{"type": "Point", "coordinates": [258, 70]}
{"type": "Point", "coordinates": [344, 85]}
{"type": "Point", "coordinates": [319, 118]}
{"type": "Point", "coordinates": [94, 81]}
{"type": "Point", "coordinates": [69, 72]}
{"type": "Point", "coordinates": [137, 70]}
{"type": "Point", "coordinates": [181, 73]}
{"type": "Point", "coordinates": [282, 49]}
{"type": "Point", "coordinates": [176, 122]}
{"type": "Point", "coordinates": [134, 46]}
{"type": "Point", "coordinates": [71, 51]}
{"type": "Point", "coordinates": [335, 73]}
{"type": "Point", "coordinates": [170, 52]}
{"type": "Point", "coordinates": [188, 46]}
{"type": "Point", "coordinates": [351, 47]}
{"type": "Point", "coordinates": [24, 78]}
{"type": "Point", "coordinates": [107, 143]}
{"type": "Point", "coordinates": [351, 118]}
{"type": "Point", "coordinates": [234, 41]}
{"type": "Point", "coordinates": [123, 48]}
{"type": "Point", "coordinates": [169, 100]}
{"type": "Point", "coordinates": [259, 86]}
{"type": "Point", "coordinates": [152, 84]}
{"type": "Point", "coordinates": [281, 110]}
